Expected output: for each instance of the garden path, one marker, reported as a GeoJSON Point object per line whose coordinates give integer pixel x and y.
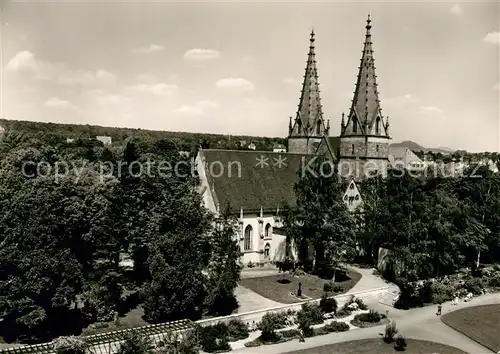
{"type": "Point", "coordinates": [421, 323]}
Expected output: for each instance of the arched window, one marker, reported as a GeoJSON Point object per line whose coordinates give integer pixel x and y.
{"type": "Point", "coordinates": [352, 149]}
{"type": "Point", "coordinates": [268, 231]}
{"type": "Point", "coordinates": [266, 250]}
{"type": "Point", "coordinates": [377, 126]}
{"type": "Point", "coordinates": [318, 127]}
{"type": "Point", "coordinates": [299, 126]}
{"type": "Point", "coordinates": [357, 197]}
{"type": "Point", "coordinates": [377, 148]}
{"type": "Point", "coordinates": [354, 125]}
{"type": "Point", "coordinates": [247, 246]}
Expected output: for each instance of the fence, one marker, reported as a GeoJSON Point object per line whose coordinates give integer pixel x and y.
{"type": "Point", "coordinates": [109, 343]}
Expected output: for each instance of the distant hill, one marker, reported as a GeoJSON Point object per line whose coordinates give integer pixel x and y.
{"type": "Point", "coordinates": [417, 147]}
{"type": "Point", "coordinates": [184, 140]}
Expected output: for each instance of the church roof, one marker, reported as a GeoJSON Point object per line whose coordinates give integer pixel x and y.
{"type": "Point", "coordinates": [309, 111]}
{"type": "Point", "coordinates": [365, 108]}
{"type": "Point", "coordinates": [257, 180]}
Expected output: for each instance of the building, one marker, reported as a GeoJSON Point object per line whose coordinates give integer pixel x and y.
{"type": "Point", "coordinates": [279, 148]}
{"type": "Point", "coordinates": [251, 146]}
{"type": "Point", "coordinates": [400, 156]}
{"type": "Point", "coordinates": [256, 185]}
{"type": "Point", "coordinates": [106, 140]}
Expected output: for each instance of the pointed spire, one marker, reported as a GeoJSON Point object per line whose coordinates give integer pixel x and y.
{"type": "Point", "coordinates": [290, 127]}
{"type": "Point", "coordinates": [261, 213]}
{"type": "Point", "coordinates": [241, 213]}
{"type": "Point", "coordinates": [342, 124]}
{"type": "Point", "coordinates": [365, 108]}
{"type": "Point", "coordinates": [309, 118]}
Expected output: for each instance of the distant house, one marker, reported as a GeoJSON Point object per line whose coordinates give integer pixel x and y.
{"type": "Point", "coordinates": [279, 148]}
{"type": "Point", "coordinates": [251, 146]}
{"type": "Point", "coordinates": [106, 140]}
{"type": "Point", "coordinates": [400, 156]}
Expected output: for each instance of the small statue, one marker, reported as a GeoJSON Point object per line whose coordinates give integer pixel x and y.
{"type": "Point", "coordinates": [299, 290]}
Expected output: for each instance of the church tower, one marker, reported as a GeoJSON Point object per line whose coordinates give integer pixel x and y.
{"type": "Point", "coordinates": [364, 136]}
{"type": "Point", "coordinates": [308, 128]}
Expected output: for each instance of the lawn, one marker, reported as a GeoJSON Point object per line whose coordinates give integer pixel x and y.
{"type": "Point", "coordinates": [312, 286]}
{"type": "Point", "coordinates": [480, 323]}
{"type": "Point", "coordinates": [378, 346]}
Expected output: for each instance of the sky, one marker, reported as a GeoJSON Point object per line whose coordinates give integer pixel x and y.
{"type": "Point", "coordinates": [236, 67]}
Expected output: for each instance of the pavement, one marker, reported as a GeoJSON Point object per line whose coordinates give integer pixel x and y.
{"type": "Point", "coordinates": [420, 323]}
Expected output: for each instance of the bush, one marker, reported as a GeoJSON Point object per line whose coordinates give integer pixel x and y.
{"type": "Point", "coordinates": [331, 287]}
{"type": "Point", "coordinates": [276, 319]}
{"type": "Point", "coordinates": [268, 327]}
{"type": "Point", "coordinates": [290, 333]}
{"type": "Point", "coordinates": [337, 326]}
{"type": "Point", "coordinates": [320, 331]}
{"type": "Point", "coordinates": [361, 304]}
{"type": "Point", "coordinates": [312, 312]}
{"type": "Point", "coordinates": [400, 343]}
{"type": "Point", "coordinates": [70, 345]}
{"type": "Point", "coordinates": [390, 332]}
{"type": "Point", "coordinates": [474, 285]}
{"type": "Point", "coordinates": [343, 312]}
{"type": "Point", "coordinates": [214, 338]}
{"type": "Point", "coordinates": [251, 264]}
{"type": "Point", "coordinates": [328, 305]}
{"type": "Point", "coordinates": [371, 317]}
{"type": "Point", "coordinates": [237, 330]}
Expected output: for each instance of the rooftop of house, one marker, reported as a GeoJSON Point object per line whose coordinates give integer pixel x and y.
{"type": "Point", "coordinates": [252, 179]}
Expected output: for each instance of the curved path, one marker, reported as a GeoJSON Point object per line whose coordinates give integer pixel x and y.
{"type": "Point", "coordinates": [421, 323]}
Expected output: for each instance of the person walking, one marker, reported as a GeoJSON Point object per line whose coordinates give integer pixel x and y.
{"type": "Point", "coordinates": [301, 336]}
{"type": "Point", "coordinates": [440, 308]}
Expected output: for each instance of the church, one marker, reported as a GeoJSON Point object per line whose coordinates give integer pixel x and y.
{"type": "Point", "coordinates": [256, 184]}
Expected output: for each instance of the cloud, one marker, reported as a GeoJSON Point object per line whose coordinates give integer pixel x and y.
{"type": "Point", "coordinates": [429, 109]}
{"type": "Point", "coordinates": [456, 9]}
{"type": "Point", "coordinates": [235, 83]}
{"type": "Point", "coordinates": [291, 81]}
{"type": "Point", "coordinates": [160, 89]}
{"type": "Point", "coordinates": [197, 109]}
{"type": "Point", "coordinates": [55, 102]}
{"type": "Point", "coordinates": [492, 37]}
{"type": "Point", "coordinates": [201, 54]}
{"type": "Point", "coordinates": [26, 61]}
{"type": "Point", "coordinates": [149, 49]}
{"type": "Point", "coordinates": [496, 87]}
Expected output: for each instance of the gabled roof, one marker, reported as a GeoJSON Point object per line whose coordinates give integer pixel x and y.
{"type": "Point", "coordinates": [365, 109]}
{"type": "Point", "coordinates": [329, 146]}
{"type": "Point", "coordinates": [262, 181]}
{"type": "Point", "coordinates": [309, 111]}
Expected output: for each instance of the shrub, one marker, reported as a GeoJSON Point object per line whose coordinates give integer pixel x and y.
{"type": "Point", "coordinates": [390, 332]}
{"type": "Point", "coordinates": [371, 317]}
{"type": "Point", "coordinates": [290, 333]}
{"type": "Point", "coordinates": [276, 319]}
{"type": "Point", "coordinates": [320, 331]}
{"type": "Point", "coordinates": [328, 305]}
{"type": "Point", "coordinates": [237, 330]}
{"type": "Point", "coordinates": [214, 338]}
{"type": "Point", "coordinates": [400, 343]}
{"type": "Point", "coordinates": [331, 287]}
{"type": "Point", "coordinates": [268, 327]}
{"type": "Point", "coordinates": [305, 325]}
{"type": "Point", "coordinates": [494, 280]}
{"type": "Point", "coordinates": [361, 304]}
{"type": "Point", "coordinates": [251, 264]}
{"type": "Point", "coordinates": [337, 326]}
{"type": "Point", "coordinates": [474, 285]}
{"type": "Point", "coordinates": [70, 345]}
{"type": "Point", "coordinates": [343, 312]}
{"type": "Point", "coordinates": [311, 312]}
{"type": "Point", "coordinates": [253, 343]}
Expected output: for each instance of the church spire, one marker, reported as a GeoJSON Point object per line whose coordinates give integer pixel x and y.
{"type": "Point", "coordinates": [309, 119]}
{"type": "Point", "coordinates": [365, 115]}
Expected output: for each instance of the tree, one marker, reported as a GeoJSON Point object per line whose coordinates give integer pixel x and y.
{"type": "Point", "coordinates": [223, 271]}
